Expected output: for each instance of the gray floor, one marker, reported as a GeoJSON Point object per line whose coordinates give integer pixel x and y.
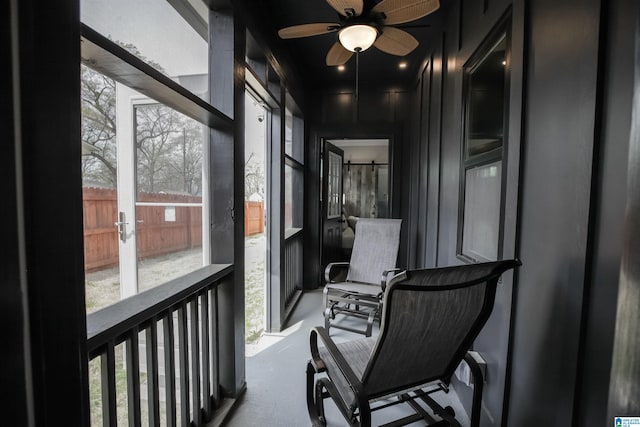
{"type": "Point", "coordinates": [275, 393]}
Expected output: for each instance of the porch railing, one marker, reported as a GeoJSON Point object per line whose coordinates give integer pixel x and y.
{"type": "Point", "coordinates": [292, 265]}
{"type": "Point", "coordinates": [166, 342]}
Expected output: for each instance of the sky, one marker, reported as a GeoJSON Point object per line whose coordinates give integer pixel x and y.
{"type": "Point", "coordinates": [154, 27]}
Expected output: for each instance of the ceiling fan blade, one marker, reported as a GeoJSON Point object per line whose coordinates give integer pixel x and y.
{"type": "Point", "coordinates": [401, 11]}
{"type": "Point", "coordinates": [396, 42]}
{"type": "Point", "coordinates": [306, 30]}
{"type": "Point", "coordinates": [338, 55]}
{"type": "Point", "coordinates": [341, 6]}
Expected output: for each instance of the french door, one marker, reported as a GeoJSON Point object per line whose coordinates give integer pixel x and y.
{"type": "Point", "coordinates": [145, 191]}
{"type": "Point", "coordinates": [162, 187]}
{"type": "Point", "coordinates": [332, 160]}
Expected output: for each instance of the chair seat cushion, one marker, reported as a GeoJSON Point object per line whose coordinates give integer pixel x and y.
{"type": "Point", "coordinates": [356, 354]}
{"type": "Point", "coordinates": [354, 287]}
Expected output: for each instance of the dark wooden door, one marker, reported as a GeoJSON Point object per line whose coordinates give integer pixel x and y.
{"type": "Point", "coordinates": [331, 203]}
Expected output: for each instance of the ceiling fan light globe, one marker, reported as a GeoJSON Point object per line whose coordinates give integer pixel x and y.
{"type": "Point", "coordinates": [357, 38]}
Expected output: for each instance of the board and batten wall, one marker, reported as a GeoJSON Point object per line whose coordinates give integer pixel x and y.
{"type": "Point", "coordinates": [549, 341]}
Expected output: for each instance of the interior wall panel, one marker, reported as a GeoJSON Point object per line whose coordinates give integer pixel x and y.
{"type": "Point", "coordinates": [451, 140]}
{"type": "Point", "coordinates": [435, 142]}
{"type": "Point", "coordinates": [624, 389]}
{"type": "Point", "coordinates": [339, 108]}
{"type": "Point", "coordinates": [15, 370]}
{"type": "Point", "coordinates": [552, 230]}
{"type": "Point", "coordinates": [411, 162]}
{"type": "Point", "coordinates": [379, 113]}
{"type": "Point", "coordinates": [48, 180]}
{"type": "Point", "coordinates": [614, 150]}
{"type": "Point", "coordinates": [424, 166]}
{"type": "Point", "coordinates": [562, 54]}
{"type": "Point", "coordinates": [374, 106]}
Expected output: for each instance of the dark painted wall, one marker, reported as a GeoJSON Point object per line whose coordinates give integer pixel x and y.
{"type": "Point", "coordinates": [554, 225]}
{"type": "Point", "coordinates": [550, 340]}
{"type": "Point", "coordinates": [568, 128]}
{"type": "Point", "coordinates": [42, 274]}
{"type": "Point", "coordinates": [610, 185]}
{"type": "Point", "coordinates": [437, 178]}
{"type": "Point", "coordinates": [624, 389]}
{"type": "Point", "coordinates": [336, 113]}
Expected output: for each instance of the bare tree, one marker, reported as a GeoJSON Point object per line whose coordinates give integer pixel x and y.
{"type": "Point", "coordinates": [186, 159]}
{"type": "Point", "coordinates": [168, 144]}
{"type": "Point", "coordinates": [254, 178]}
{"type": "Point", "coordinates": [156, 125]}
{"type": "Point", "coordinates": [98, 99]}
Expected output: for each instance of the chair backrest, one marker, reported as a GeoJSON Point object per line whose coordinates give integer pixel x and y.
{"type": "Point", "coordinates": [375, 249]}
{"type": "Point", "coordinates": [429, 321]}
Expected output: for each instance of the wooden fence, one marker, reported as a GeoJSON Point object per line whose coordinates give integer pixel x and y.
{"type": "Point", "coordinates": [100, 211]}
{"type": "Point", "coordinates": [160, 229]}
{"type": "Point", "coordinates": [253, 218]}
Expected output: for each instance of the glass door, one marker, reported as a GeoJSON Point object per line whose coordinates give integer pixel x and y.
{"type": "Point", "coordinates": [101, 212]}
{"type": "Point", "coordinates": [169, 205]}
{"type": "Point", "coordinates": [255, 208]}
{"type": "Point", "coordinates": [332, 209]}
{"type": "Point", "coordinates": [144, 191]}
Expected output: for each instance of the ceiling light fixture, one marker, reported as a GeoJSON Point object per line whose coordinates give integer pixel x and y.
{"type": "Point", "coordinates": [402, 65]}
{"type": "Point", "coordinates": [341, 68]}
{"type": "Point", "coordinates": [358, 38]}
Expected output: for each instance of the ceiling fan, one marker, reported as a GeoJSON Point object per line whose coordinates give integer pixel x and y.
{"type": "Point", "coordinates": [363, 24]}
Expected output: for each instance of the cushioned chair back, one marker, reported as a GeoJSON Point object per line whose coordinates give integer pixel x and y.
{"type": "Point", "coordinates": [375, 249]}
{"type": "Point", "coordinates": [429, 322]}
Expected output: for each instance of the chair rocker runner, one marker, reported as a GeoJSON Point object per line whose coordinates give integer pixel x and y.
{"type": "Point", "coordinates": [430, 319]}
{"type": "Point", "coordinates": [374, 255]}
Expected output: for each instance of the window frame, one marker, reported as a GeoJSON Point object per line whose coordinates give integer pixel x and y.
{"type": "Point", "coordinates": [502, 30]}
{"type": "Point", "coordinates": [295, 160]}
{"type": "Point", "coordinates": [108, 58]}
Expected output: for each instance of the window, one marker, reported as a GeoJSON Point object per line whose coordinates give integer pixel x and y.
{"type": "Point", "coordinates": [293, 169]}
{"type": "Point", "coordinates": [171, 39]}
{"type": "Point", "coordinates": [294, 131]}
{"type": "Point", "coordinates": [144, 162]}
{"type": "Point", "coordinates": [148, 127]}
{"type": "Point", "coordinates": [480, 215]}
{"type": "Point", "coordinates": [293, 192]}
{"type": "Point", "coordinates": [169, 197]}
{"type": "Point", "coordinates": [143, 167]}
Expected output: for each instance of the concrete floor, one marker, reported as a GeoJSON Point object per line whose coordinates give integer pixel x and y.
{"type": "Point", "coordinates": [276, 367]}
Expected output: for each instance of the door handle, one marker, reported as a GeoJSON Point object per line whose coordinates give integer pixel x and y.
{"type": "Point", "coordinates": [122, 226]}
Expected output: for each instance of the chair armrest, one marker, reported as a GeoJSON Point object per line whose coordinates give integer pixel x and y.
{"type": "Point", "coordinates": [387, 276]}
{"type": "Point", "coordinates": [478, 385]}
{"type": "Point", "coordinates": [328, 275]}
{"type": "Point", "coordinates": [345, 369]}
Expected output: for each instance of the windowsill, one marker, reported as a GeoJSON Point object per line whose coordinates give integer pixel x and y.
{"type": "Point", "coordinates": [110, 322]}
{"type": "Point", "coordinates": [291, 232]}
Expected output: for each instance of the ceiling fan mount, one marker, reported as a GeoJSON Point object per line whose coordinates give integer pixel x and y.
{"type": "Point", "coordinates": [363, 23]}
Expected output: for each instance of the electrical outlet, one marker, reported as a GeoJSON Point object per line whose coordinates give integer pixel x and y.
{"type": "Point", "coordinates": [463, 372]}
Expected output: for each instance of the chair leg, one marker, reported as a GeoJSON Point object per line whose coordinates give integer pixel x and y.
{"type": "Point", "coordinates": [316, 414]}
{"type": "Point", "coordinates": [325, 297]}
{"type": "Point", "coordinates": [370, 320]}
{"type": "Point", "coordinates": [328, 309]}
{"type": "Point", "coordinates": [327, 318]}
{"type": "Point", "coordinates": [320, 403]}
